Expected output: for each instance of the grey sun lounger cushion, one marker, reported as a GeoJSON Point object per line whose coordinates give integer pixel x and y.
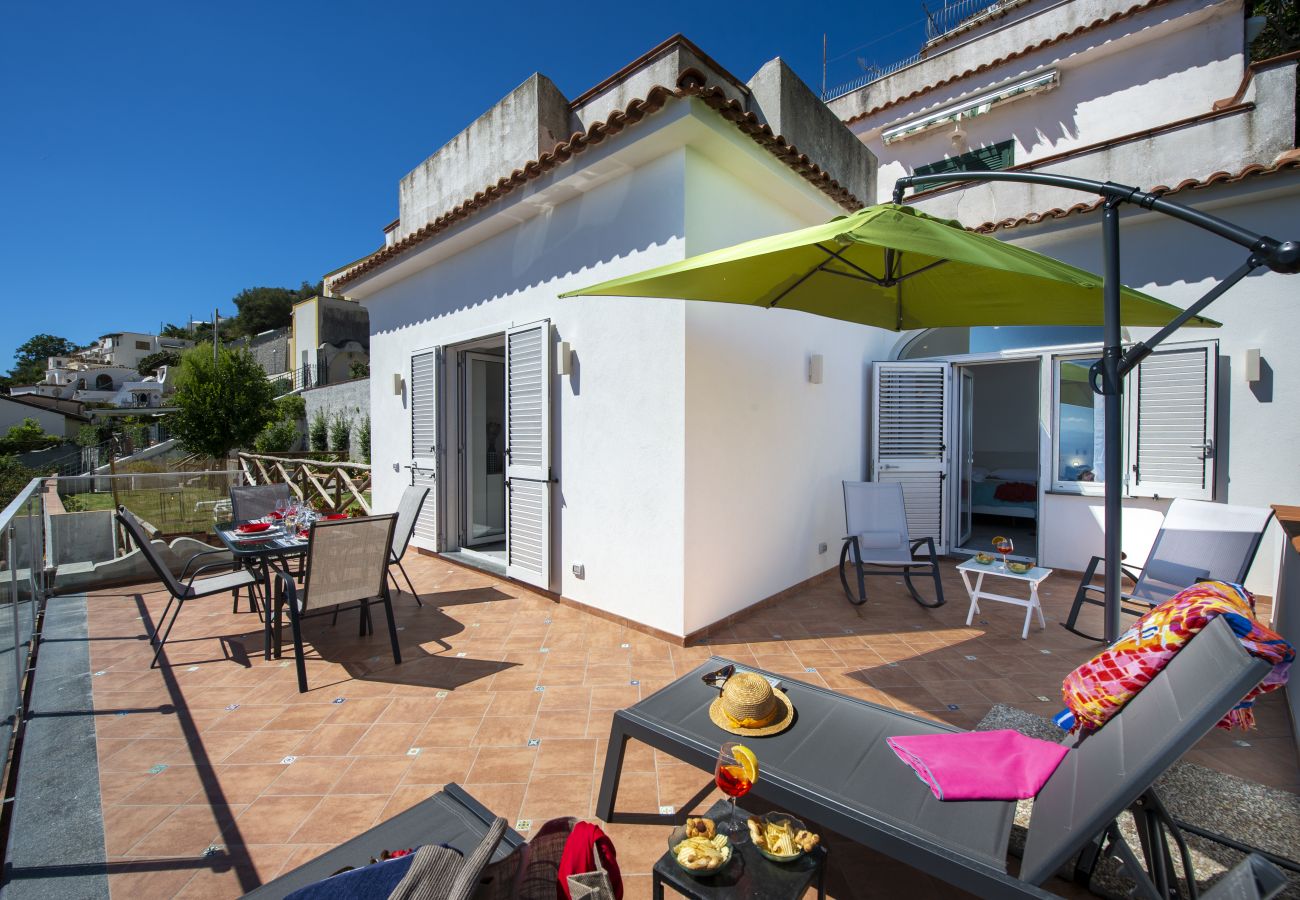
{"type": "Point", "coordinates": [450, 817]}
{"type": "Point", "coordinates": [834, 767]}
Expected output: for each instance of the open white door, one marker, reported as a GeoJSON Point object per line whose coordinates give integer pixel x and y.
{"type": "Point", "coordinates": [909, 444]}
{"type": "Point", "coordinates": [425, 441]}
{"type": "Point", "coordinates": [966, 449]}
{"type": "Point", "coordinates": [528, 453]}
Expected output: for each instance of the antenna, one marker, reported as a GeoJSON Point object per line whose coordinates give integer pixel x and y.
{"type": "Point", "coordinates": [823, 65]}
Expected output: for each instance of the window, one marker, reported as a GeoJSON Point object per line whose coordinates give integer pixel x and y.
{"type": "Point", "coordinates": [1078, 425]}
{"type": "Point", "coordinates": [142, 345]}
{"type": "Point", "coordinates": [985, 159]}
{"type": "Point", "coordinates": [957, 341]}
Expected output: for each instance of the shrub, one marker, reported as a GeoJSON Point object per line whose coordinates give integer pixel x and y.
{"type": "Point", "coordinates": [340, 433]}
{"type": "Point", "coordinates": [221, 404]}
{"type": "Point", "coordinates": [363, 439]}
{"type": "Point", "coordinates": [319, 431]}
{"type": "Point", "coordinates": [277, 438]}
{"type": "Point", "coordinates": [358, 369]}
{"type": "Point", "coordinates": [13, 478]}
{"type": "Point", "coordinates": [27, 435]}
{"type": "Point", "coordinates": [291, 406]}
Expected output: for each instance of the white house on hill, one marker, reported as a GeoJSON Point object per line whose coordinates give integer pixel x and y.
{"type": "Point", "coordinates": [669, 463]}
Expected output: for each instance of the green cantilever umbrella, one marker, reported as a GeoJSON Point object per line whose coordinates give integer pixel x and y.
{"type": "Point", "coordinates": [894, 267]}
{"type": "Point", "coordinates": [898, 268]}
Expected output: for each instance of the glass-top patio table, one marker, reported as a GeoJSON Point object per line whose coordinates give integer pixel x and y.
{"type": "Point", "coordinates": [832, 767]}
{"type": "Point", "coordinates": [264, 553]}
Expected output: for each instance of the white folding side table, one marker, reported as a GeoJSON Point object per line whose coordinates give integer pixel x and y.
{"type": "Point", "coordinates": [1033, 578]}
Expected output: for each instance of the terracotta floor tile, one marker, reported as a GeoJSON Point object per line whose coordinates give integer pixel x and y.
{"type": "Point", "coordinates": [300, 718]}
{"type": "Point", "coordinates": [440, 765]}
{"type": "Point", "coordinates": [463, 705]}
{"type": "Point", "coordinates": [505, 765]}
{"type": "Point", "coordinates": [503, 731]}
{"type": "Point", "coordinates": [448, 733]}
{"type": "Point", "coordinates": [562, 723]}
{"type": "Point", "coordinates": [273, 819]}
{"type": "Point", "coordinates": [362, 711]}
{"type": "Point", "coordinates": [266, 747]}
{"type": "Point", "coordinates": [387, 740]}
{"type": "Point", "coordinates": [558, 756]}
{"type": "Point", "coordinates": [372, 775]}
{"type": "Point", "coordinates": [186, 832]}
{"type": "Point", "coordinates": [340, 817]}
{"type": "Point", "coordinates": [125, 826]}
{"type": "Point", "coordinates": [514, 703]}
{"type": "Point", "coordinates": [330, 740]}
{"type": "Point", "coordinates": [553, 796]}
{"type": "Point", "coordinates": [242, 784]}
{"type": "Point", "coordinates": [312, 775]}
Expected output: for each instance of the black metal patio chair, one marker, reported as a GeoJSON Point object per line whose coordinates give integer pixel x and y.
{"type": "Point", "coordinates": [182, 590]}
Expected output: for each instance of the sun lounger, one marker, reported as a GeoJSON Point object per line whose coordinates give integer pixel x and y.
{"type": "Point", "coordinates": [833, 767]}
{"type": "Point", "coordinates": [450, 817]}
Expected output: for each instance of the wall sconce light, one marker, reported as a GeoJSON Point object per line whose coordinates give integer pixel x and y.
{"type": "Point", "coordinates": [815, 369]}
{"type": "Point", "coordinates": [563, 358]}
{"type": "Point", "coordinates": [1254, 369]}
{"type": "Point", "coordinates": [397, 383]}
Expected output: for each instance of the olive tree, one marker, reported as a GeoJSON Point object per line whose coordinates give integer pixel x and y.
{"type": "Point", "coordinates": [222, 404]}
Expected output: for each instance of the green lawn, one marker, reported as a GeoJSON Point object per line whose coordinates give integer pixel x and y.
{"type": "Point", "coordinates": [172, 510]}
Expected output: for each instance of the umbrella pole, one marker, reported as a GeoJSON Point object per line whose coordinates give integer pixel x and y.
{"type": "Point", "coordinates": [1112, 391]}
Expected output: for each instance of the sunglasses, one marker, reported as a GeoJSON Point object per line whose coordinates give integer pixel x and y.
{"type": "Point", "coordinates": [719, 678]}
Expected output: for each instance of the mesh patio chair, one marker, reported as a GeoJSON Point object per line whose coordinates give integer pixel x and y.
{"type": "Point", "coordinates": [347, 567]}
{"type": "Point", "coordinates": [876, 527]}
{"type": "Point", "coordinates": [1198, 541]}
{"type": "Point", "coordinates": [408, 510]}
{"type": "Point", "coordinates": [181, 589]}
{"type": "Point", "coordinates": [253, 501]}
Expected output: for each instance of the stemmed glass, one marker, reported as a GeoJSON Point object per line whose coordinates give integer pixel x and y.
{"type": "Point", "coordinates": [1004, 546]}
{"type": "Point", "coordinates": [735, 773]}
{"type": "Point", "coordinates": [281, 505]}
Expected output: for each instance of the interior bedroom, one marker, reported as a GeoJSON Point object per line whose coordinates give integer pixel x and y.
{"type": "Point", "coordinates": [999, 484]}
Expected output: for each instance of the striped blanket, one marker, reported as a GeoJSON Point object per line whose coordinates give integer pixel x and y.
{"type": "Point", "coordinates": [1100, 687]}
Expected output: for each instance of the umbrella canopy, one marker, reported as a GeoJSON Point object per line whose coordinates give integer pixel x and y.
{"type": "Point", "coordinates": [897, 268]}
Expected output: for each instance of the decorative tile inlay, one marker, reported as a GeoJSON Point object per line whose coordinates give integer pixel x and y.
{"type": "Point", "coordinates": [288, 760]}
{"type": "Point", "coordinates": [154, 770]}
{"type": "Point", "coordinates": [667, 810]}
{"type": "Point", "coordinates": [534, 742]}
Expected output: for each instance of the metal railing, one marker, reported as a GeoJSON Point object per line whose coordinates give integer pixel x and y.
{"type": "Point", "coordinates": [331, 484]}
{"type": "Point", "coordinates": [22, 584]}
{"type": "Point", "coordinates": [951, 15]}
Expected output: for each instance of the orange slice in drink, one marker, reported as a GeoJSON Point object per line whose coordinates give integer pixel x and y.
{"type": "Point", "coordinates": [748, 761]}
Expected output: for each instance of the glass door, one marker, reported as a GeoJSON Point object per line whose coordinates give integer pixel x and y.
{"type": "Point", "coordinates": [966, 456]}
{"type": "Point", "coordinates": [484, 475]}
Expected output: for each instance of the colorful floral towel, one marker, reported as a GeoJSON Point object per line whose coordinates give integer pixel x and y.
{"type": "Point", "coordinates": [1100, 687]}
{"type": "Point", "coordinates": [980, 765]}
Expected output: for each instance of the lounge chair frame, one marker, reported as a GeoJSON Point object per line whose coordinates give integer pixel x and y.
{"type": "Point", "coordinates": [833, 768]}
{"type": "Point", "coordinates": [1155, 580]}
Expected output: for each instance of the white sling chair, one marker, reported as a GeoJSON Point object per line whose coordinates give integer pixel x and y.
{"type": "Point", "coordinates": [876, 536]}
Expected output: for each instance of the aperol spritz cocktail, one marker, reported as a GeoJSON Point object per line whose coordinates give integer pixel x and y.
{"type": "Point", "coordinates": [1003, 545]}
{"type": "Point", "coordinates": [735, 774]}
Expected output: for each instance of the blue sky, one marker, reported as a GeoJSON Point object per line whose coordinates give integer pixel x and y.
{"type": "Point", "coordinates": [159, 157]}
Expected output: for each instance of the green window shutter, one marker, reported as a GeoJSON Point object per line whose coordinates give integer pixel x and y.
{"type": "Point", "coordinates": [986, 159]}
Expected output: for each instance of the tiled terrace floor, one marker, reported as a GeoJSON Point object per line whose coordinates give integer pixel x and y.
{"type": "Point", "coordinates": [276, 777]}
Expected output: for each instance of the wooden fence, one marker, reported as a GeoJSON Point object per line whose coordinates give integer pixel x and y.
{"type": "Point", "coordinates": [336, 485]}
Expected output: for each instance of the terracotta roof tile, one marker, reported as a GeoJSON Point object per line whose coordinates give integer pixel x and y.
{"type": "Point", "coordinates": [992, 64]}
{"type": "Point", "coordinates": [635, 111]}
{"type": "Point", "coordinates": [1288, 161]}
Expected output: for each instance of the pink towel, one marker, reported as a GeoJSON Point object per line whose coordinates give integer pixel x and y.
{"type": "Point", "coordinates": [980, 765]}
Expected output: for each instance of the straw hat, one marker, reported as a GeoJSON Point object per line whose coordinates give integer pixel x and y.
{"type": "Point", "coordinates": [748, 706]}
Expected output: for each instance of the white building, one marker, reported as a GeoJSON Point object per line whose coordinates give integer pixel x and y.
{"type": "Point", "coordinates": [72, 378]}
{"type": "Point", "coordinates": [128, 348]}
{"type": "Point", "coordinates": [670, 464]}
{"type": "Point", "coordinates": [1146, 94]}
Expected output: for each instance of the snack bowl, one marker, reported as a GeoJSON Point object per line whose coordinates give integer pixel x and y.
{"type": "Point", "coordinates": [1019, 568]}
{"type": "Point", "coordinates": [983, 558]}
{"type": "Point", "coordinates": [678, 836]}
{"type": "Point", "coordinates": [777, 820]}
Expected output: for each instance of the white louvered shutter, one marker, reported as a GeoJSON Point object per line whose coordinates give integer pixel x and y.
{"type": "Point", "coordinates": [1171, 444]}
{"type": "Point", "coordinates": [528, 453]}
{"type": "Point", "coordinates": [423, 390]}
{"type": "Point", "coordinates": [909, 441]}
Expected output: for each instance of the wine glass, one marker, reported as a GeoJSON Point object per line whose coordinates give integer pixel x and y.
{"type": "Point", "coordinates": [1003, 545]}
{"type": "Point", "coordinates": [281, 505]}
{"type": "Point", "coordinates": [735, 773]}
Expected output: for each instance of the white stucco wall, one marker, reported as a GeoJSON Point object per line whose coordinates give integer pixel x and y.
{"type": "Point", "coordinates": [12, 414]}
{"type": "Point", "coordinates": [617, 420]}
{"type": "Point", "coordinates": [766, 450]}
{"type": "Point", "coordinates": [1257, 426]}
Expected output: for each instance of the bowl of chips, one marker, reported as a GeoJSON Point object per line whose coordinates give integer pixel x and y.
{"type": "Point", "coordinates": [983, 558]}
{"type": "Point", "coordinates": [1019, 568]}
{"type": "Point", "coordinates": [781, 837]}
{"type": "Point", "coordinates": [698, 848]}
